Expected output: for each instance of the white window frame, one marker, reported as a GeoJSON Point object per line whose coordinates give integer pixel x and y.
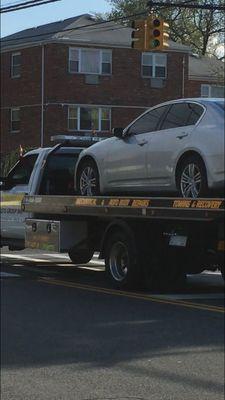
{"type": "Point", "coordinates": [68, 119]}
{"type": "Point", "coordinates": [99, 118]}
{"type": "Point", "coordinates": [203, 86]}
{"type": "Point", "coordinates": [101, 51]}
{"type": "Point", "coordinates": [154, 65]}
{"type": "Point", "coordinates": [209, 88]}
{"type": "Point", "coordinates": [18, 53]}
{"type": "Point", "coordinates": [12, 120]}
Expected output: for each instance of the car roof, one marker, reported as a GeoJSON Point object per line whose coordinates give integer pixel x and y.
{"type": "Point", "coordinates": [193, 99]}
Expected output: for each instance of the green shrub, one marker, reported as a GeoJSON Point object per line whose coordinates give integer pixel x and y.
{"type": "Point", "coordinates": [9, 160]}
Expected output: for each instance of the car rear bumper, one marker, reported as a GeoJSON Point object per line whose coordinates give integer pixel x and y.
{"type": "Point", "coordinates": [216, 171]}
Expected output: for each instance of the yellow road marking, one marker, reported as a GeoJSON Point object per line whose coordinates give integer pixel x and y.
{"type": "Point", "coordinates": [132, 295]}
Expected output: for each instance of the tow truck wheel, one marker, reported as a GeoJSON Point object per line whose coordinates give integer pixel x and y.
{"type": "Point", "coordinates": [121, 260]}
{"type": "Point", "coordinates": [161, 272]}
{"type": "Point", "coordinates": [223, 272]}
{"type": "Point", "coordinates": [80, 256]}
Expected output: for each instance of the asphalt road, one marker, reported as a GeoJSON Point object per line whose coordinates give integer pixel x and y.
{"type": "Point", "coordinates": [66, 334]}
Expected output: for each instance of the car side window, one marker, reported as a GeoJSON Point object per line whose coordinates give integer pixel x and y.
{"type": "Point", "coordinates": [148, 122]}
{"type": "Point", "coordinates": [196, 112]}
{"type": "Point", "coordinates": [58, 177]}
{"type": "Point", "coordinates": [21, 173]}
{"type": "Point", "coordinates": [182, 114]}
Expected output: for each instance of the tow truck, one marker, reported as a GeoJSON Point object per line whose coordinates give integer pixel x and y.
{"type": "Point", "coordinates": [150, 241]}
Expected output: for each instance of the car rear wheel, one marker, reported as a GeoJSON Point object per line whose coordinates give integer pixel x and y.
{"type": "Point", "coordinates": [192, 178]}
{"type": "Point", "coordinates": [88, 179]}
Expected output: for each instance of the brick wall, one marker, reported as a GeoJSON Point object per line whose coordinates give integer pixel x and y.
{"type": "Point", "coordinates": [24, 92]}
{"type": "Point", "coordinates": [125, 87]}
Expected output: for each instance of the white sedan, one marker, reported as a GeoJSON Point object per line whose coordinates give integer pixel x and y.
{"type": "Point", "coordinates": [177, 146]}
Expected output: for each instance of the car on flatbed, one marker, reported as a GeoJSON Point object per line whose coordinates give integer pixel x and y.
{"type": "Point", "coordinates": [175, 147]}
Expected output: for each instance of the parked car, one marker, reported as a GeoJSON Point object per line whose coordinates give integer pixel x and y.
{"type": "Point", "coordinates": [177, 146]}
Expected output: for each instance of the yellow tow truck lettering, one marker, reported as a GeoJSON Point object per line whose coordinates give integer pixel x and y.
{"type": "Point", "coordinates": [140, 203]}
{"type": "Point", "coordinates": [114, 202]}
{"type": "Point", "coordinates": [181, 203]}
{"type": "Point", "coordinates": [124, 202]}
{"type": "Point", "coordinates": [207, 204]}
{"type": "Point", "coordinates": [85, 202]}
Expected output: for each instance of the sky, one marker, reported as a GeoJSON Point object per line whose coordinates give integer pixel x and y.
{"type": "Point", "coordinates": [18, 20]}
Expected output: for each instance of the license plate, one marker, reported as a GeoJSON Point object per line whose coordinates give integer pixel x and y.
{"type": "Point", "coordinates": [179, 241]}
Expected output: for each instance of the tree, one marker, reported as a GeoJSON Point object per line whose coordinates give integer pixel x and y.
{"type": "Point", "coordinates": [202, 30]}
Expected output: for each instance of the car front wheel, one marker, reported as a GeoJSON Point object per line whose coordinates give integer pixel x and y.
{"type": "Point", "coordinates": [88, 179]}
{"type": "Point", "coordinates": [192, 178]}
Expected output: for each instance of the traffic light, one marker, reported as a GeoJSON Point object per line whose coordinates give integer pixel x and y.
{"type": "Point", "coordinates": [150, 34]}
{"type": "Point", "coordinates": [138, 35]}
{"type": "Point", "coordinates": [157, 34]}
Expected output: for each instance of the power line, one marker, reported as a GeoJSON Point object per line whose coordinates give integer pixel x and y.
{"type": "Point", "coordinates": [128, 17]}
{"type": "Point", "coordinates": [28, 4]}
{"type": "Point", "coordinates": [211, 7]}
{"type": "Point", "coordinates": [11, 3]}
{"type": "Point", "coordinates": [18, 4]}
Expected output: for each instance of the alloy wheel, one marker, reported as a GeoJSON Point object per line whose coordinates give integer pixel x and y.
{"type": "Point", "coordinates": [191, 181]}
{"type": "Point", "coordinates": [88, 182]}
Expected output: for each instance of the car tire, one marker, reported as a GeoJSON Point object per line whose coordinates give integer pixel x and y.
{"type": "Point", "coordinates": [88, 179]}
{"type": "Point", "coordinates": [192, 178]}
{"type": "Point", "coordinates": [80, 256]}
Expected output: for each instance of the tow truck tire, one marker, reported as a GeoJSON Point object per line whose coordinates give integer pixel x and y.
{"type": "Point", "coordinates": [88, 179]}
{"type": "Point", "coordinates": [162, 273]}
{"type": "Point", "coordinates": [223, 272]}
{"type": "Point", "coordinates": [80, 256]}
{"type": "Point", "coordinates": [121, 260]}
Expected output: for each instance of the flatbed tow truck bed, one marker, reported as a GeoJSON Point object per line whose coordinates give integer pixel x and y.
{"type": "Point", "coordinates": [169, 208]}
{"type": "Point", "coordinates": [155, 240]}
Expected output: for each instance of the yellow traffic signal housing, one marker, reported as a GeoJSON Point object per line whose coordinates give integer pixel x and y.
{"type": "Point", "coordinates": [139, 34]}
{"type": "Point", "coordinates": [157, 34]}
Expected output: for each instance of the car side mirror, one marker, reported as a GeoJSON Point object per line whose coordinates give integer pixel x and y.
{"type": "Point", "coordinates": [118, 132]}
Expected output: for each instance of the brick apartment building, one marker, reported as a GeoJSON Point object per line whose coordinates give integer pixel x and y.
{"type": "Point", "coordinates": [76, 77]}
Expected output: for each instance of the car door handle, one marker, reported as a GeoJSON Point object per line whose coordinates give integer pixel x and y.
{"type": "Point", "coordinates": [182, 135]}
{"type": "Point", "coordinates": [142, 143]}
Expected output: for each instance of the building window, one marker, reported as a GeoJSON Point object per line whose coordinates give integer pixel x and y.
{"type": "Point", "coordinates": [15, 119]}
{"type": "Point", "coordinates": [72, 118]}
{"type": "Point", "coordinates": [212, 91]}
{"type": "Point", "coordinates": [90, 61]}
{"type": "Point", "coordinates": [154, 65]}
{"type": "Point", "coordinates": [15, 65]}
{"type": "Point", "coordinates": [89, 118]}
